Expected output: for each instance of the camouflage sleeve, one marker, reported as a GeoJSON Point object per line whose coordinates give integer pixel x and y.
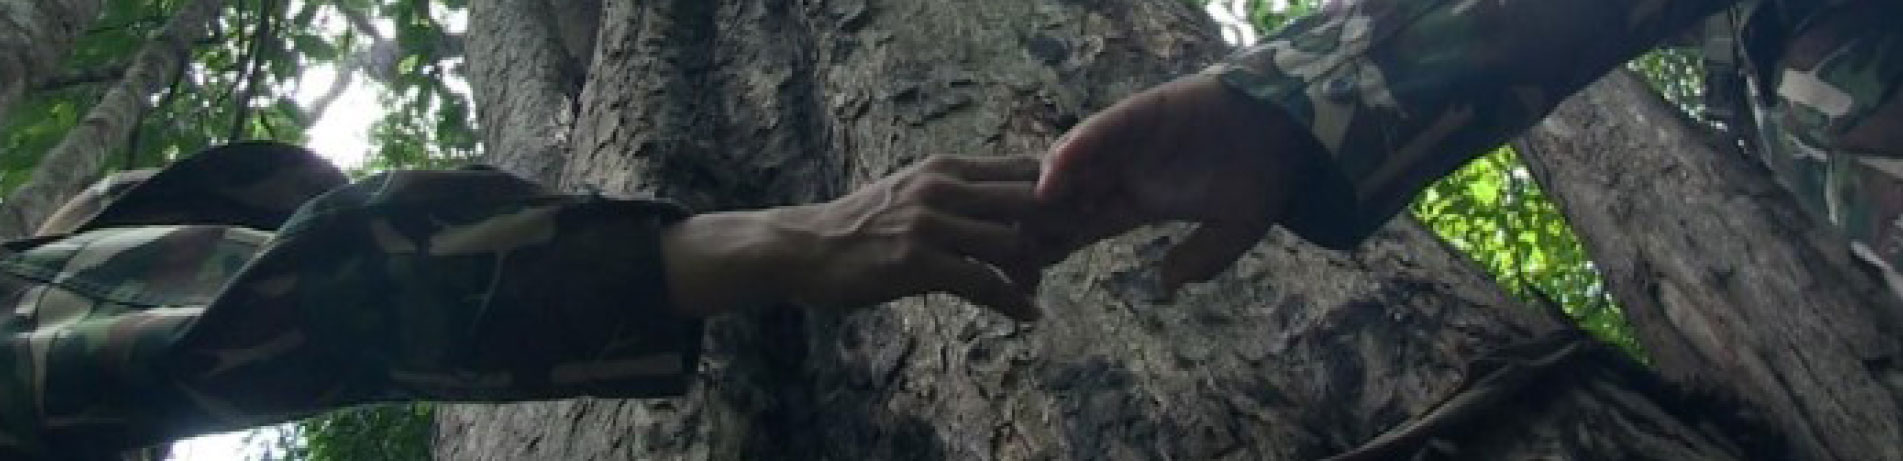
{"type": "Point", "coordinates": [442, 285]}
{"type": "Point", "coordinates": [471, 285]}
{"type": "Point", "coordinates": [1401, 92]}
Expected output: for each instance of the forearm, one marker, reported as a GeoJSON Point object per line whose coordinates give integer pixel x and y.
{"type": "Point", "coordinates": [1397, 93]}
{"type": "Point", "coordinates": [722, 262]}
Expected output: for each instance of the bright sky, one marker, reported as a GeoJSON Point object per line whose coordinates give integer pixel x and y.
{"type": "Point", "coordinates": [343, 135]}
{"type": "Point", "coordinates": [1233, 17]}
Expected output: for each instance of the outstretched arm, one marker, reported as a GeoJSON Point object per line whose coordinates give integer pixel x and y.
{"type": "Point", "coordinates": [458, 285]}
{"type": "Point", "coordinates": [1331, 125]}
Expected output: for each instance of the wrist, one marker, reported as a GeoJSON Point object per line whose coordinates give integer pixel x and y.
{"type": "Point", "coordinates": [724, 262]}
{"type": "Point", "coordinates": [1281, 152]}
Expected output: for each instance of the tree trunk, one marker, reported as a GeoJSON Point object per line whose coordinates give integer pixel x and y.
{"type": "Point", "coordinates": [1299, 353]}
{"type": "Point", "coordinates": [527, 81]}
{"type": "Point", "coordinates": [1728, 284]}
{"type": "Point", "coordinates": [35, 36]}
{"type": "Point", "coordinates": [76, 161]}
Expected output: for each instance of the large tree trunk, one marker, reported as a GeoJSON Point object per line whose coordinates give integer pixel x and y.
{"type": "Point", "coordinates": [1729, 285]}
{"type": "Point", "coordinates": [529, 79]}
{"type": "Point", "coordinates": [35, 36]}
{"type": "Point", "coordinates": [1299, 353]}
{"type": "Point", "coordinates": [76, 161]}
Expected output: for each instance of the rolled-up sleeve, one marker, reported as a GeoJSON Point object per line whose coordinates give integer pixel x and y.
{"type": "Point", "coordinates": [439, 285]}
{"type": "Point", "coordinates": [1398, 93]}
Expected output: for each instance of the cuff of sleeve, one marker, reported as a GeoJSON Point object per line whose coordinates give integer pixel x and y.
{"type": "Point", "coordinates": [643, 349]}
{"type": "Point", "coordinates": [1328, 211]}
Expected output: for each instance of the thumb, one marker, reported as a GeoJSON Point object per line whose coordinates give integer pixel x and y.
{"type": "Point", "coordinates": [1083, 161]}
{"type": "Point", "coordinates": [1208, 251]}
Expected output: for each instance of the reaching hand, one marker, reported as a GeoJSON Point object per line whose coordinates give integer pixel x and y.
{"type": "Point", "coordinates": [1189, 150]}
{"type": "Point", "coordinates": [947, 224]}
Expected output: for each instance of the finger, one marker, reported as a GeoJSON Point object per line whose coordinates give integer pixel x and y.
{"type": "Point", "coordinates": [1208, 251]}
{"type": "Point", "coordinates": [986, 200]}
{"type": "Point", "coordinates": [978, 283]}
{"type": "Point", "coordinates": [994, 168]}
{"type": "Point", "coordinates": [991, 242]}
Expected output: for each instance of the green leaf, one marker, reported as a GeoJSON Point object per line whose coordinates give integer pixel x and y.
{"type": "Point", "coordinates": [314, 47]}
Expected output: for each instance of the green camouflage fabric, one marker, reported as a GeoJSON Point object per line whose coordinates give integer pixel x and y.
{"type": "Point", "coordinates": [1832, 125]}
{"type": "Point", "coordinates": [438, 285]}
{"type": "Point", "coordinates": [1401, 92]}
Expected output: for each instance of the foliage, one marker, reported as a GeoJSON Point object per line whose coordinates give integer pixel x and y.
{"type": "Point", "coordinates": [386, 432]}
{"type": "Point", "coordinates": [1493, 210]}
{"type": "Point", "coordinates": [1676, 73]}
{"type": "Point", "coordinates": [244, 82]}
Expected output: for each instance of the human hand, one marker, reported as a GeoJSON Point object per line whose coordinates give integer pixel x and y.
{"type": "Point", "coordinates": [947, 224]}
{"type": "Point", "coordinates": [1188, 150]}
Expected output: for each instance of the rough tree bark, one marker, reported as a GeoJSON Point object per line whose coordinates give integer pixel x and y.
{"type": "Point", "coordinates": [1729, 285]}
{"type": "Point", "coordinates": [1299, 353]}
{"type": "Point", "coordinates": [531, 79]}
{"type": "Point", "coordinates": [73, 163]}
{"type": "Point", "coordinates": [35, 37]}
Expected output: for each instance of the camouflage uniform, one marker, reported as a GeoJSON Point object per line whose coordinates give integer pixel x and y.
{"type": "Point", "coordinates": [1401, 92]}
{"type": "Point", "coordinates": [175, 311]}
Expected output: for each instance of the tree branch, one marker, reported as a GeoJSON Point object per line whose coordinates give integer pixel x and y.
{"type": "Point", "coordinates": [78, 158]}
{"type": "Point", "coordinates": [253, 75]}
{"type": "Point", "coordinates": [171, 93]}
{"type": "Point", "coordinates": [345, 76]}
{"type": "Point", "coordinates": [101, 74]}
{"type": "Point", "coordinates": [362, 24]}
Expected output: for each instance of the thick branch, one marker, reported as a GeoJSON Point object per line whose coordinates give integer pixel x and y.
{"type": "Point", "coordinates": [35, 37]}
{"type": "Point", "coordinates": [101, 74]}
{"type": "Point", "coordinates": [1728, 284]}
{"type": "Point", "coordinates": [77, 159]}
{"type": "Point", "coordinates": [525, 86]}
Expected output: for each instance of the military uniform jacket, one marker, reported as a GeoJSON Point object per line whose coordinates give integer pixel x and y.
{"type": "Point", "coordinates": [1401, 92]}
{"type": "Point", "coordinates": [443, 285]}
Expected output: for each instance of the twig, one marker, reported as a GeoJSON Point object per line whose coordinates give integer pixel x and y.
{"type": "Point", "coordinates": [345, 76]}
{"type": "Point", "coordinates": [250, 80]}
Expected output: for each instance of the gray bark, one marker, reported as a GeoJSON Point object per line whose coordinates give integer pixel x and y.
{"type": "Point", "coordinates": [35, 36]}
{"type": "Point", "coordinates": [526, 81]}
{"type": "Point", "coordinates": [76, 161]}
{"type": "Point", "coordinates": [1728, 284]}
{"type": "Point", "coordinates": [1299, 353]}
